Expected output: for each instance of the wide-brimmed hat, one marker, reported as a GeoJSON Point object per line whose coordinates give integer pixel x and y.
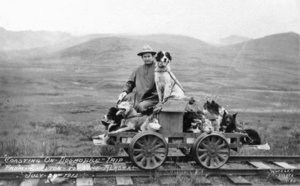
{"type": "Point", "coordinates": [146, 49]}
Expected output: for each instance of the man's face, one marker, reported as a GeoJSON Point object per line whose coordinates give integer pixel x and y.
{"type": "Point", "coordinates": [148, 58]}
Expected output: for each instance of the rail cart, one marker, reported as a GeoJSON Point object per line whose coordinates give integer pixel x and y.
{"type": "Point", "coordinates": [148, 150]}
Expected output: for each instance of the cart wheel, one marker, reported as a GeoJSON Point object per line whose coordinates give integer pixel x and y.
{"type": "Point", "coordinates": [211, 150]}
{"type": "Point", "coordinates": [148, 150]}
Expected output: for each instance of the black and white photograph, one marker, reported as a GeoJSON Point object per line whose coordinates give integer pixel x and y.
{"type": "Point", "coordinates": [149, 92]}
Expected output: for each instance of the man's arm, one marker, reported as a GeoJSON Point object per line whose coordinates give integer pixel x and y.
{"type": "Point", "coordinates": [130, 84]}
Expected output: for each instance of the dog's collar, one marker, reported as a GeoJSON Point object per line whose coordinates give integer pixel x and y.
{"type": "Point", "coordinates": [161, 70]}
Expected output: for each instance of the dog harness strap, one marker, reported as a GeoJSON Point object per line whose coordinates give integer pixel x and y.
{"type": "Point", "coordinates": [176, 81]}
{"type": "Point", "coordinates": [173, 86]}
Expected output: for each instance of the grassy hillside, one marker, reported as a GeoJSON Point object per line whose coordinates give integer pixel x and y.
{"type": "Point", "coordinates": [284, 46]}
{"type": "Point", "coordinates": [55, 100]}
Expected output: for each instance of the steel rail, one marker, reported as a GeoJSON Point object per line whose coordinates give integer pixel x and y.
{"type": "Point", "coordinates": [126, 159]}
{"type": "Point", "coordinates": [238, 158]}
{"type": "Point", "coordinates": [142, 173]}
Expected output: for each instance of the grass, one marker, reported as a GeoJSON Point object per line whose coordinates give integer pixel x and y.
{"type": "Point", "coordinates": [50, 138]}
{"type": "Point", "coordinates": [10, 148]}
{"type": "Point", "coordinates": [52, 106]}
{"type": "Point", "coordinates": [62, 137]}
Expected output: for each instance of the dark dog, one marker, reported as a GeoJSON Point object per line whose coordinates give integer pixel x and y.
{"type": "Point", "coordinates": [188, 119]}
{"type": "Point", "coordinates": [111, 120]}
{"type": "Point", "coordinates": [229, 124]}
{"type": "Point", "coordinates": [252, 138]}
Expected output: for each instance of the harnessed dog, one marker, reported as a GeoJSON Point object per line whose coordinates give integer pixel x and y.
{"type": "Point", "coordinates": [167, 85]}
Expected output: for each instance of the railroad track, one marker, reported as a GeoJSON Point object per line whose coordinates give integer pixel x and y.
{"type": "Point", "coordinates": [89, 170]}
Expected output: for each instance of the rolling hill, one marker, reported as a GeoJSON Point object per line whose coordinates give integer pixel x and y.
{"type": "Point", "coordinates": [271, 62]}
{"type": "Point", "coordinates": [22, 40]}
{"type": "Point", "coordinates": [123, 49]}
{"type": "Point", "coordinates": [184, 42]}
{"type": "Point", "coordinates": [107, 49]}
{"type": "Point", "coordinates": [283, 46]}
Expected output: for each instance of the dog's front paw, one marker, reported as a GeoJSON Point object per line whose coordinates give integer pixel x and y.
{"type": "Point", "coordinates": [157, 108]}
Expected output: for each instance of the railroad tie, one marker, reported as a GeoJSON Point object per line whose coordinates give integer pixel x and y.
{"type": "Point", "coordinates": [259, 165]}
{"type": "Point", "coordinates": [202, 180]}
{"type": "Point", "coordinates": [84, 181]}
{"type": "Point", "coordinates": [101, 181]}
{"type": "Point", "coordinates": [284, 165]}
{"type": "Point", "coordinates": [238, 180]}
{"type": "Point", "coordinates": [30, 182]}
{"type": "Point", "coordinates": [167, 180]}
{"type": "Point", "coordinates": [124, 180]}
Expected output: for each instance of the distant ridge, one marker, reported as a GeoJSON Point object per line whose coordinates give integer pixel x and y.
{"type": "Point", "coordinates": [233, 39]}
{"type": "Point", "coordinates": [133, 43]}
{"type": "Point", "coordinates": [274, 47]}
{"type": "Point", "coordinates": [25, 40]}
{"type": "Point", "coordinates": [175, 40]}
{"type": "Point", "coordinates": [22, 40]}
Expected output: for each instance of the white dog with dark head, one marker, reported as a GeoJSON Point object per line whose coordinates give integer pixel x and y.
{"type": "Point", "coordinates": [166, 83]}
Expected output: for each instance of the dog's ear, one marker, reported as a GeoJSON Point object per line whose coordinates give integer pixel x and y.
{"type": "Point", "coordinates": [169, 56]}
{"type": "Point", "coordinates": [155, 57]}
{"type": "Point", "coordinates": [158, 55]}
{"type": "Point", "coordinates": [206, 104]}
{"type": "Point", "coordinates": [192, 100]}
{"type": "Point", "coordinates": [213, 102]}
{"type": "Point", "coordinates": [234, 115]}
{"type": "Point", "coordinates": [113, 109]}
{"type": "Point", "coordinates": [224, 114]}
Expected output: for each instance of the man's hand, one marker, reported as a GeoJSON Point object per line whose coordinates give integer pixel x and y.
{"type": "Point", "coordinates": [121, 96]}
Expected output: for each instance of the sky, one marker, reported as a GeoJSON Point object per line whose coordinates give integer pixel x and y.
{"type": "Point", "coordinates": [207, 20]}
